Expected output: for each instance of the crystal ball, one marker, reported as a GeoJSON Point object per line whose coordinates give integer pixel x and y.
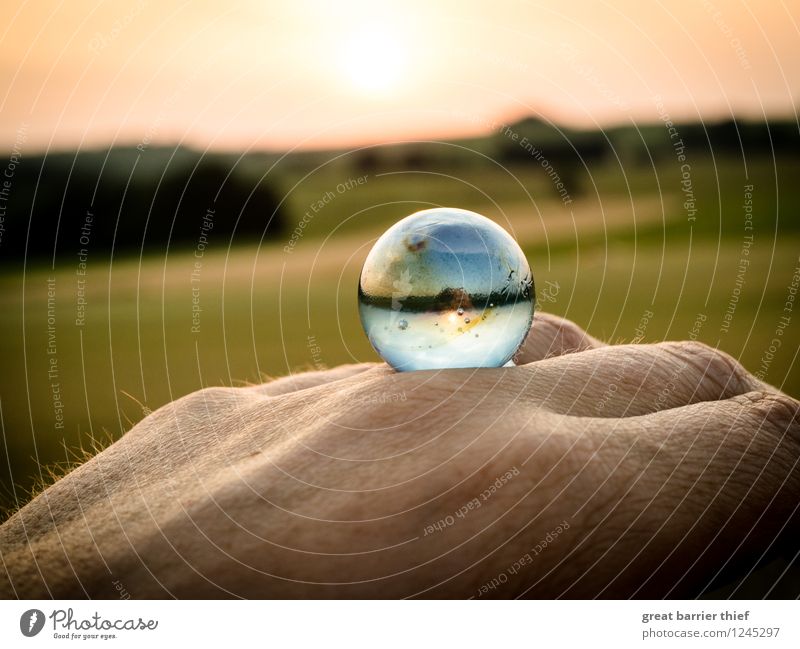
{"type": "Point", "coordinates": [446, 288]}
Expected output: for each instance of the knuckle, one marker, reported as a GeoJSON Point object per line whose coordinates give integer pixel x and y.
{"type": "Point", "coordinates": [777, 411]}
{"type": "Point", "coordinates": [693, 350]}
{"type": "Point", "coordinates": [771, 436]}
{"type": "Point", "coordinates": [211, 398]}
{"type": "Point", "coordinates": [193, 407]}
{"type": "Point", "coordinates": [717, 370]}
{"type": "Point", "coordinates": [564, 335]}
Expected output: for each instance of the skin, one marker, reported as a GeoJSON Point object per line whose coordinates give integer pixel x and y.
{"type": "Point", "coordinates": [623, 471]}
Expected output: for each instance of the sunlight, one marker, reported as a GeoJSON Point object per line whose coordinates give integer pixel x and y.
{"type": "Point", "coordinates": [374, 60]}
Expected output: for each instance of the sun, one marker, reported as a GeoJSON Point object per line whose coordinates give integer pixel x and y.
{"type": "Point", "coordinates": [374, 60]}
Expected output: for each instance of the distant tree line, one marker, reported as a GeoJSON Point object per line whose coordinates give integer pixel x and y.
{"type": "Point", "coordinates": [567, 147]}
{"type": "Point", "coordinates": [571, 153]}
{"type": "Point", "coordinates": [159, 199]}
{"type": "Point", "coordinates": [61, 204]}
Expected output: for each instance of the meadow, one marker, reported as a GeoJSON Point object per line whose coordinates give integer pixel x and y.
{"type": "Point", "coordinates": [88, 351]}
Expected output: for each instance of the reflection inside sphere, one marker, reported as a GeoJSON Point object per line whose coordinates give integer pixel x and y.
{"type": "Point", "coordinates": [446, 288]}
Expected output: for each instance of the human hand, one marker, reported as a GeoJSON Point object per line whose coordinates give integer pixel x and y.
{"type": "Point", "coordinates": [587, 470]}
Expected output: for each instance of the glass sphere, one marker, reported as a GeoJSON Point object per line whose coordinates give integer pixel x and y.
{"type": "Point", "coordinates": [446, 288]}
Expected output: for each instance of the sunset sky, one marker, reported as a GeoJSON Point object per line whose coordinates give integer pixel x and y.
{"type": "Point", "coordinates": [245, 74]}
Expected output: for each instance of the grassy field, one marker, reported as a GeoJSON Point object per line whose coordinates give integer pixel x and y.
{"type": "Point", "coordinates": [624, 248]}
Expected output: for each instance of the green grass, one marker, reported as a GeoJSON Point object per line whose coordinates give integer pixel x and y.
{"type": "Point", "coordinates": [618, 258]}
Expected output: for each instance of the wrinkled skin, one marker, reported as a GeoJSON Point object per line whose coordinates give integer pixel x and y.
{"type": "Point", "coordinates": [671, 465]}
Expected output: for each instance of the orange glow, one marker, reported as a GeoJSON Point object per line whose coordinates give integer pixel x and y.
{"type": "Point", "coordinates": [255, 74]}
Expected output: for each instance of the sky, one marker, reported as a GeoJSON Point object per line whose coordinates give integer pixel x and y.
{"type": "Point", "coordinates": [249, 74]}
